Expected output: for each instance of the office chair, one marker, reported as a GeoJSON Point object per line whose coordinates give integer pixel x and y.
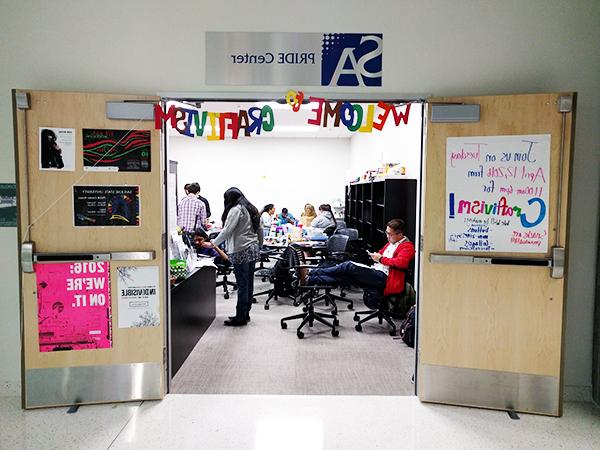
{"type": "Point", "coordinates": [306, 296]}
{"type": "Point", "coordinates": [396, 305]}
{"type": "Point", "coordinates": [224, 269]}
{"type": "Point", "coordinates": [329, 230]}
{"type": "Point", "coordinates": [280, 276]}
{"type": "Point", "coordinates": [334, 253]}
{"type": "Point", "coordinates": [340, 225]}
{"type": "Point", "coordinates": [352, 233]}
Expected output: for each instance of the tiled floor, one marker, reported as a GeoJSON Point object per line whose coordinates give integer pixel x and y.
{"type": "Point", "coordinates": [292, 422]}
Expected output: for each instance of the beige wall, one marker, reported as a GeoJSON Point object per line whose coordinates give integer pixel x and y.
{"type": "Point", "coordinates": [433, 47]}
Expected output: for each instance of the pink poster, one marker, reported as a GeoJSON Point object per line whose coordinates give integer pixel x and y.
{"type": "Point", "coordinates": [74, 306]}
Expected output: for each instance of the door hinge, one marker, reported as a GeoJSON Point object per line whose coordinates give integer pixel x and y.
{"type": "Point", "coordinates": [164, 241]}
{"type": "Point", "coordinates": [164, 356]}
{"type": "Point", "coordinates": [22, 99]}
{"type": "Point", "coordinates": [565, 103]}
{"type": "Point", "coordinates": [421, 242]}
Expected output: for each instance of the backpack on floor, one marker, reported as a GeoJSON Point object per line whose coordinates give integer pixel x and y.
{"type": "Point", "coordinates": [407, 328]}
{"type": "Point", "coordinates": [399, 305]}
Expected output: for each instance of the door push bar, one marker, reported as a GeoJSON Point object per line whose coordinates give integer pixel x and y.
{"type": "Point", "coordinates": [29, 257]}
{"type": "Point", "coordinates": [556, 263]}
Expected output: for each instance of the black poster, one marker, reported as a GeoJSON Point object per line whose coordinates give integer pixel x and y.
{"type": "Point", "coordinates": [116, 150]}
{"type": "Point", "coordinates": [101, 206]}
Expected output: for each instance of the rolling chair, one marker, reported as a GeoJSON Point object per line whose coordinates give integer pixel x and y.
{"type": "Point", "coordinates": [335, 253]}
{"type": "Point", "coordinates": [280, 276]}
{"type": "Point", "coordinates": [307, 296]}
{"type": "Point", "coordinates": [352, 233]}
{"type": "Point", "coordinates": [396, 305]}
{"type": "Point", "coordinates": [224, 269]}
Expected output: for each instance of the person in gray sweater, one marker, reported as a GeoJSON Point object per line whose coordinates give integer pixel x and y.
{"type": "Point", "coordinates": [325, 219]}
{"type": "Point", "coordinates": [243, 236]}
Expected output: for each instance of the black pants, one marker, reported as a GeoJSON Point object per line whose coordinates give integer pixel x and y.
{"type": "Point", "coordinates": [244, 277]}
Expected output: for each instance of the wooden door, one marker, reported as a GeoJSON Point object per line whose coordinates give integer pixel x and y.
{"type": "Point", "coordinates": [119, 359]}
{"type": "Point", "coordinates": [491, 315]}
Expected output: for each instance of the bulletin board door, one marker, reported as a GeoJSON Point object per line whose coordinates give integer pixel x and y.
{"type": "Point", "coordinates": [491, 317]}
{"type": "Point", "coordinates": [81, 341]}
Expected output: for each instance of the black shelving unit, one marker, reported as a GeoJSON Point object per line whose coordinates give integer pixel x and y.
{"type": "Point", "coordinates": [369, 206]}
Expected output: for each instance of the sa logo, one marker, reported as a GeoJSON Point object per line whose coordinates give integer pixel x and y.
{"type": "Point", "coordinates": [351, 59]}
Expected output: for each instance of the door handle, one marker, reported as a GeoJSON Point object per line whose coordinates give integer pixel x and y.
{"type": "Point", "coordinates": [556, 262]}
{"type": "Point", "coordinates": [29, 257]}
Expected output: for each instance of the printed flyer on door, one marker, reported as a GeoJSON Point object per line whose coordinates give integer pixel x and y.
{"type": "Point", "coordinates": [74, 309]}
{"type": "Point", "coordinates": [57, 149]}
{"type": "Point", "coordinates": [138, 297]}
{"type": "Point", "coordinates": [116, 150]}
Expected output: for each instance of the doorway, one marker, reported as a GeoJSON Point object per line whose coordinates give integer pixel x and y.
{"type": "Point", "coordinates": [293, 164]}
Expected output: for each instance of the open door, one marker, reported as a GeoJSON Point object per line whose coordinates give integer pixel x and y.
{"type": "Point", "coordinates": [491, 312]}
{"type": "Point", "coordinates": [90, 193]}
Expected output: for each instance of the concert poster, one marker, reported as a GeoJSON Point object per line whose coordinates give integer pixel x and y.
{"type": "Point", "coordinates": [116, 150]}
{"type": "Point", "coordinates": [100, 206]}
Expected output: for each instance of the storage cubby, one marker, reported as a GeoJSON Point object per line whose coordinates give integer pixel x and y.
{"type": "Point", "coordinates": [369, 206]}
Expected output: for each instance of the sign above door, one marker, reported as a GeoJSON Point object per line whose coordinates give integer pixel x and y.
{"type": "Point", "coordinates": [309, 59]}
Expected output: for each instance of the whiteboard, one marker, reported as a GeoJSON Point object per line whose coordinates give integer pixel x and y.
{"type": "Point", "coordinates": [497, 190]}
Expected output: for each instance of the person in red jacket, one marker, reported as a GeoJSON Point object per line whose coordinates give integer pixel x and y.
{"type": "Point", "coordinates": [385, 277]}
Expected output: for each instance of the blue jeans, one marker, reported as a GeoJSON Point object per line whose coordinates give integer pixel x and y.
{"type": "Point", "coordinates": [244, 277]}
{"type": "Point", "coordinates": [350, 274]}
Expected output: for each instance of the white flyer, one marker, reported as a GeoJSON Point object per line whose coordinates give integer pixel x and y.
{"type": "Point", "coordinates": [139, 304]}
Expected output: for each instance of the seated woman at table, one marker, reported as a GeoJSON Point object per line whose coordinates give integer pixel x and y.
{"type": "Point", "coordinates": [266, 216]}
{"type": "Point", "coordinates": [286, 217]}
{"type": "Point", "coordinates": [325, 219]}
{"type": "Point", "coordinates": [206, 248]}
{"type": "Point", "coordinates": [308, 215]}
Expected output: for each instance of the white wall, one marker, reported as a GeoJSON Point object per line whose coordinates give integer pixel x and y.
{"type": "Point", "coordinates": [436, 47]}
{"type": "Point", "coordinates": [286, 172]}
{"type": "Point", "coordinates": [394, 144]}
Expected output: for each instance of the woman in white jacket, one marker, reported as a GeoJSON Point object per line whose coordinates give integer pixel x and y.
{"type": "Point", "coordinates": [243, 235]}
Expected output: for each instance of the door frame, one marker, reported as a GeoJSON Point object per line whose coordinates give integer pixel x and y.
{"type": "Point", "coordinates": [259, 96]}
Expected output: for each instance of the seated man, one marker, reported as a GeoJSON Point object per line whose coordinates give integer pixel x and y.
{"type": "Point", "coordinates": [385, 277]}
{"type": "Point", "coordinates": [286, 217]}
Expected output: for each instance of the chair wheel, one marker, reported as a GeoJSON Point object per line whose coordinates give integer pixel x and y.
{"type": "Point", "coordinates": [235, 288]}
{"type": "Point", "coordinates": [254, 300]}
{"type": "Point", "coordinates": [283, 325]}
{"type": "Point", "coordinates": [226, 296]}
{"type": "Point", "coordinates": [266, 306]}
{"type": "Point", "coordinates": [263, 279]}
{"type": "Point", "coordinates": [358, 327]}
{"type": "Point", "coordinates": [310, 323]}
{"type": "Point", "coordinates": [336, 322]}
{"type": "Point", "coordinates": [356, 318]}
{"type": "Point", "coordinates": [300, 334]}
{"type": "Point", "coordinates": [335, 333]}
{"type": "Point", "coordinates": [304, 309]}
{"type": "Point", "coordinates": [343, 294]}
{"type": "Point", "coordinates": [393, 333]}
{"type": "Point", "coordinates": [334, 312]}
{"type": "Point", "coordinates": [350, 306]}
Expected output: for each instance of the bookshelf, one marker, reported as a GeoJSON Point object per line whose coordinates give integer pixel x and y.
{"type": "Point", "coordinates": [370, 205]}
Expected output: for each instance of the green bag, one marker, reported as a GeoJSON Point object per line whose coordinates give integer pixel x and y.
{"type": "Point", "coordinates": [178, 268]}
{"type": "Point", "coordinates": [398, 305]}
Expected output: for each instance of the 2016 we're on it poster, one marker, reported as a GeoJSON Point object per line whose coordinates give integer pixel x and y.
{"type": "Point", "coordinates": [74, 306]}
